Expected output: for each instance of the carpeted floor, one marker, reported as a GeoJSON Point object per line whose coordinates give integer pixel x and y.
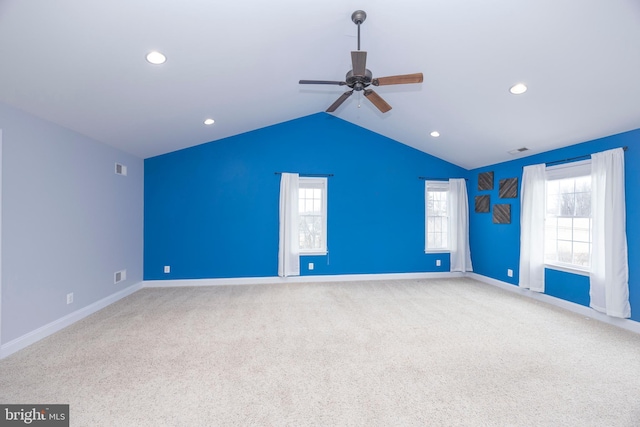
{"type": "Point", "coordinates": [450, 352]}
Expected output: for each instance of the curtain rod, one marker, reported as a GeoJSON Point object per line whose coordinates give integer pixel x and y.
{"type": "Point", "coordinates": [570, 159]}
{"type": "Point", "coordinates": [310, 175]}
{"type": "Point", "coordinates": [424, 178]}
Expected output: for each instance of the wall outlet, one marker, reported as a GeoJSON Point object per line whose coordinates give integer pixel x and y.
{"type": "Point", "coordinates": [167, 269]}
{"type": "Point", "coordinates": [70, 298]}
{"type": "Point", "coordinates": [438, 263]}
{"type": "Point", "coordinates": [510, 272]}
{"type": "Point", "coordinates": [310, 266]}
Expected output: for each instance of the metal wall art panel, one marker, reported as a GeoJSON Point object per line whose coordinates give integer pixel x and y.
{"type": "Point", "coordinates": [485, 181]}
{"type": "Point", "coordinates": [483, 204]}
{"type": "Point", "coordinates": [508, 188]}
{"type": "Point", "coordinates": [502, 214]}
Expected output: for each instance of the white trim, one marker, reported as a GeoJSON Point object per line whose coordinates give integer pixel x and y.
{"type": "Point", "coordinates": [59, 324]}
{"type": "Point", "coordinates": [443, 187]}
{"type": "Point", "coordinates": [323, 184]}
{"type": "Point", "coordinates": [566, 268]}
{"type": "Point", "coordinates": [627, 324]}
{"type": "Point", "coordinates": [0, 240]}
{"type": "Point", "coordinates": [55, 326]}
{"type": "Point", "coordinates": [319, 253]}
{"type": "Point", "coordinates": [568, 170]}
{"type": "Point", "coordinates": [437, 185]}
{"type": "Point", "coordinates": [295, 279]}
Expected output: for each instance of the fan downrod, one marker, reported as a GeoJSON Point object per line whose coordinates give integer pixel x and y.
{"type": "Point", "coordinates": [358, 18]}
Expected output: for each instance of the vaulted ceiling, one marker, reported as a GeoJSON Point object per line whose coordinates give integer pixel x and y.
{"type": "Point", "coordinates": [81, 64]}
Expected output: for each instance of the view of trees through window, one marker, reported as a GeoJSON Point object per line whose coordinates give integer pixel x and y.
{"type": "Point", "coordinates": [568, 221]}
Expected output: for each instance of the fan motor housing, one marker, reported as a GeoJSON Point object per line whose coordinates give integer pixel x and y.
{"type": "Point", "coordinates": [358, 83]}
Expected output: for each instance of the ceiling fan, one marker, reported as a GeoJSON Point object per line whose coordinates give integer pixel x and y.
{"type": "Point", "coordinates": [359, 78]}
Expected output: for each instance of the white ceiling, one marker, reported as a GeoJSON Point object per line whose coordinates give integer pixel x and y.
{"type": "Point", "coordinates": [81, 64]}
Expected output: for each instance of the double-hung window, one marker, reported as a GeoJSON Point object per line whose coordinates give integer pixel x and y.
{"type": "Point", "coordinates": [437, 216]}
{"type": "Point", "coordinates": [568, 222]}
{"type": "Point", "coordinates": [312, 210]}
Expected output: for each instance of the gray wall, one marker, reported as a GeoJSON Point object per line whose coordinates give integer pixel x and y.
{"type": "Point", "coordinates": [68, 221]}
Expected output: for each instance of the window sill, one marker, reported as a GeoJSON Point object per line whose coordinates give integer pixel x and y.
{"type": "Point", "coordinates": [313, 253]}
{"type": "Point", "coordinates": [567, 269]}
{"type": "Point", "coordinates": [437, 251]}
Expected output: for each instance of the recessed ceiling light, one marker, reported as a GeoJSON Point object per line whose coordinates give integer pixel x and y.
{"type": "Point", "coordinates": [156, 58]}
{"type": "Point", "coordinates": [435, 134]}
{"type": "Point", "coordinates": [518, 88]}
{"type": "Point", "coordinates": [209, 122]}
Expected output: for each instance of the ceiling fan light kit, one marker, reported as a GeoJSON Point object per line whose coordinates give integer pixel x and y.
{"type": "Point", "coordinates": [359, 78]}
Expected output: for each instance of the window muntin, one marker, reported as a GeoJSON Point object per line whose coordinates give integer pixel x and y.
{"type": "Point", "coordinates": [437, 216]}
{"type": "Point", "coordinates": [312, 211]}
{"type": "Point", "coordinates": [568, 216]}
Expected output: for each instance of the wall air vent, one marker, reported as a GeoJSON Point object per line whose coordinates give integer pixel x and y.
{"type": "Point", "coordinates": [519, 150]}
{"type": "Point", "coordinates": [121, 169]}
{"type": "Point", "coordinates": [119, 276]}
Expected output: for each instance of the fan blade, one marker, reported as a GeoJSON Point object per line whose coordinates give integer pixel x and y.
{"type": "Point", "coordinates": [376, 100]}
{"type": "Point", "coordinates": [321, 82]}
{"type": "Point", "coordinates": [359, 62]}
{"type": "Point", "coordinates": [339, 101]}
{"type": "Point", "coordinates": [398, 80]}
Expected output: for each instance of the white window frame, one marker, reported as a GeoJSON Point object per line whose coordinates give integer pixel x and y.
{"type": "Point", "coordinates": [315, 182]}
{"type": "Point", "coordinates": [566, 171]}
{"type": "Point", "coordinates": [440, 186]}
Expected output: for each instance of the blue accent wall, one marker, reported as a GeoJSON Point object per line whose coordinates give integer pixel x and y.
{"type": "Point", "coordinates": [496, 247]}
{"type": "Point", "coordinates": [211, 211]}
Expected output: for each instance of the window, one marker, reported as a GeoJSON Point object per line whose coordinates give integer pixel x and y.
{"type": "Point", "coordinates": [568, 216]}
{"type": "Point", "coordinates": [312, 209]}
{"type": "Point", "coordinates": [437, 216]}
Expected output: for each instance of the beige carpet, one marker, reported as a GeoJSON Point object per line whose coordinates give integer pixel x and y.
{"type": "Point", "coordinates": [451, 352]}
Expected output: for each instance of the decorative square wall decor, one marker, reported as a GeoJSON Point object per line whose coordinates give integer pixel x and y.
{"type": "Point", "coordinates": [508, 188]}
{"type": "Point", "coordinates": [485, 181]}
{"type": "Point", "coordinates": [483, 204]}
{"type": "Point", "coordinates": [502, 214]}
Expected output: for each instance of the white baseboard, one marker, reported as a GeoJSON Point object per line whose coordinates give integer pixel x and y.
{"type": "Point", "coordinates": [629, 325]}
{"type": "Point", "coordinates": [294, 279]}
{"type": "Point", "coordinates": [57, 325]}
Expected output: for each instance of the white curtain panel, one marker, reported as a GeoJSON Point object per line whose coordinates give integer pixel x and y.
{"type": "Point", "coordinates": [609, 264]}
{"type": "Point", "coordinates": [460, 251]}
{"type": "Point", "coordinates": [532, 214]}
{"type": "Point", "coordinates": [289, 246]}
